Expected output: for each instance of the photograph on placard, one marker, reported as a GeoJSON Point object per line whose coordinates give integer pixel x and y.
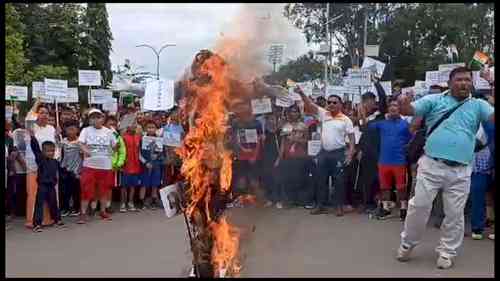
{"type": "Point", "coordinates": [261, 106]}
{"type": "Point", "coordinates": [170, 198]}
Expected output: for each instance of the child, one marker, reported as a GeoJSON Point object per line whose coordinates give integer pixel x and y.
{"type": "Point", "coordinates": [71, 164]}
{"type": "Point", "coordinates": [152, 156]}
{"type": "Point", "coordinates": [132, 169]}
{"type": "Point", "coordinates": [47, 179]}
{"type": "Point", "coordinates": [119, 156]}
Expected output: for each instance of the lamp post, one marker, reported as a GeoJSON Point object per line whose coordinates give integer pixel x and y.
{"type": "Point", "coordinates": [157, 53]}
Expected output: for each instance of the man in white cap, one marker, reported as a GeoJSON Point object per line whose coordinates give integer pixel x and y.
{"type": "Point", "coordinates": [97, 178]}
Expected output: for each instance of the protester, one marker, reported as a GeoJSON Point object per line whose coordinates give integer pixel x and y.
{"type": "Point", "coordinates": [131, 172]}
{"type": "Point", "coordinates": [445, 164]}
{"type": "Point", "coordinates": [97, 143]}
{"type": "Point", "coordinates": [71, 163]}
{"type": "Point", "coordinates": [118, 158]}
{"type": "Point", "coordinates": [271, 148]}
{"type": "Point", "coordinates": [151, 157]}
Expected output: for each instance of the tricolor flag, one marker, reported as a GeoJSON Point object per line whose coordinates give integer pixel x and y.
{"type": "Point", "coordinates": [479, 60]}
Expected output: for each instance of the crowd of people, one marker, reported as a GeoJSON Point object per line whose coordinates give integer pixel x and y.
{"type": "Point", "coordinates": [371, 160]}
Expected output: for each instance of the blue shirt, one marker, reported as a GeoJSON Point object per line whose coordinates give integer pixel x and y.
{"type": "Point", "coordinates": [394, 136]}
{"type": "Point", "coordinates": [455, 138]}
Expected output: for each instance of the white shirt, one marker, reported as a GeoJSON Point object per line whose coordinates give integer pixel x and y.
{"type": "Point", "coordinates": [100, 143]}
{"type": "Point", "coordinates": [334, 129]}
{"type": "Point", "coordinates": [42, 134]}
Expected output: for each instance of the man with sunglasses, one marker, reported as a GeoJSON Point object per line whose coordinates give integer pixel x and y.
{"type": "Point", "coordinates": [334, 156]}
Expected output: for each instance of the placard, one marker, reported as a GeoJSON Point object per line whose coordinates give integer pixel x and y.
{"type": "Point", "coordinates": [479, 82]}
{"type": "Point", "coordinates": [111, 106]}
{"type": "Point", "coordinates": [100, 96]}
{"type": "Point", "coordinates": [9, 111]}
{"type": "Point", "coordinates": [127, 121]}
{"type": "Point", "coordinates": [375, 66]}
{"type": "Point", "coordinates": [372, 50]}
{"type": "Point", "coordinates": [432, 78]}
{"type": "Point", "coordinates": [172, 138]}
{"type": "Point", "coordinates": [170, 198]}
{"type": "Point", "coordinates": [159, 95]}
{"type": "Point", "coordinates": [149, 142]}
{"type": "Point", "coordinates": [89, 78]}
{"type": "Point", "coordinates": [293, 95]}
{"type": "Point", "coordinates": [284, 101]}
{"type": "Point", "coordinates": [450, 66]}
{"type": "Point", "coordinates": [358, 77]}
{"type": "Point", "coordinates": [55, 87]}
{"type": "Point", "coordinates": [16, 93]}
{"type": "Point", "coordinates": [307, 88]}
{"type": "Point", "coordinates": [251, 136]}
{"type": "Point", "coordinates": [261, 106]}
{"type": "Point", "coordinates": [313, 147]}
{"type": "Point", "coordinates": [387, 86]}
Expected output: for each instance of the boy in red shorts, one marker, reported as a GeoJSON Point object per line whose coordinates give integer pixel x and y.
{"type": "Point", "coordinates": [96, 179]}
{"type": "Point", "coordinates": [394, 137]}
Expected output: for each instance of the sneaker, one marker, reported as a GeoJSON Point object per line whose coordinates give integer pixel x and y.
{"type": "Point", "coordinates": [64, 213]}
{"type": "Point", "coordinates": [268, 204]}
{"type": "Point", "coordinates": [477, 235]}
{"type": "Point", "coordinates": [279, 205]}
{"type": "Point", "coordinates": [383, 214]}
{"type": "Point", "coordinates": [403, 253]}
{"type": "Point", "coordinates": [402, 215]}
{"type": "Point", "coordinates": [444, 262]}
{"type": "Point", "coordinates": [131, 207]}
{"type": "Point", "coordinates": [82, 219]}
{"type": "Point", "coordinates": [309, 207]}
{"type": "Point", "coordinates": [37, 229]}
{"type": "Point", "coordinates": [319, 211]}
{"type": "Point", "coordinates": [74, 213]}
{"type": "Point", "coordinates": [105, 216]}
{"type": "Point", "coordinates": [491, 236]}
{"type": "Point", "coordinates": [123, 208]}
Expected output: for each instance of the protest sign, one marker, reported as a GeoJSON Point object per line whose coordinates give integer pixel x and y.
{"type": "Point", "coordinates": [71, 97]}
{"type": "Point", "coordinates": [16, 93]}
{"type": "Point", "coordinates": [450, 66]}
{"type": "Point", "coordinates": [170, 198]}
{"type": "Point", "coordinates": [159, 95]}
{"type": "Point", "coordinates": [9, 111]}
{"type": "Point", "coordinates": [284, 101]}
{"type": "Point", "coordinates": [149, 143]}
{"type": "Point", "coordinates": [436, 78]}
{"type": "Point", "coordinates": [251, 136]}
{"type": "Point", "coordinates": [375, 66]}
{"type": "Point", "coordinates": [371, 50]}
{"type": "Point", "coordinates": [261, 106]}
{"type": "Point", "coordinates": [89, 78]}
{"type": "Point", "coordinates": [172, 138]}
{"type": "Point", "coordinates": [387, 86]}
{"type": "Point", "coordinates": [100, 96]}
{"type": "Point", "coordinates": [55, 87]}
{"type": "Point", "coordinates": [313, 147]}
{"type": "Point", "coordinates": [38, 91]}
{"type": "Point", "coordinates": [127, 121]}
{"type": "Point", "coordinates": [306, 87]}
{"type": "Point", "coordinates": [358, 77]}
{"type": "Point", "coordinates": [111, 105]}
{"type": "Point", "coordinates": [479, 82]}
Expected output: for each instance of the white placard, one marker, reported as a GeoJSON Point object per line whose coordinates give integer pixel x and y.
{"type": "Point", "coordinates": [148, 142]}
{"type": "Point", "coordinates": [451, 66]}
{"type": "Point", "coordinates": [261, 106]}
{"type": "Point", "coordinates": [71, 97]}
{"type": "Point", "coordinates": [159, 95]}
{"type": "Point", "coordinates": [38, 91]}
{"type": "Point", "coordinates": [313, 147]}
{"type": "Point", "coordinates": [432, 78]}
{"type": "Point", "coordinates": [89, 78]}
{"type": "Point", "coordinates": [100, 96]}
{"type": "Point", "coordinates": [16, 93]}
{"type": "Point", "coordinates": [307, 88]}
{"type": "Point", "coordinates": [358, 77]}
{"type": "Point", "coordinates": [170, 198]}
{"type": "Point", "coordinates": [375, 66]}
{"type": "Point", "coordinates": [251, 136]}
{"type": "Point", "coordinates": [479, 82]}
{"type": "Point", "coordinates": [127, 121]}
{"type": "Point", "coordinates": [372, 50]}
{"type": "Point", "coordinates": [55, 87]}
{"type": "Point", "coordinates": [111, 106]}
{"type": "Point", "coordinates": [387, 86]}
{"type": "Point", "coordinates": [284, 101]}
{"type": "Point", "coordinates": [9, 111]}
{"type": "Point", "coordinates": [172, 139]}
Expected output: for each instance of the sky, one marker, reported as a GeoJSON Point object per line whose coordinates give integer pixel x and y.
{"type": "Point", "coordinates": [192, 27]}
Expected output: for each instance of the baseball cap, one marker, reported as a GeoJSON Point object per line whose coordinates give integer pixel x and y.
{"type": "Point", "coordinates": [95, 110]}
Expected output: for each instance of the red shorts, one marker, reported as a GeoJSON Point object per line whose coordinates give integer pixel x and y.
{"type": "Point", "coordinates": [388, 174]}
{"type": "Point", "coordinates": [92, 180]}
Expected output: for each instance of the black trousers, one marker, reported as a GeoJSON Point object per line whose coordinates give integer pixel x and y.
{"type": "Point", "coordinates": [69, 188]}
{"type": "Point", "coordinates": [369, 180]}
{"type": "Point", "coordinates": [46, 193]}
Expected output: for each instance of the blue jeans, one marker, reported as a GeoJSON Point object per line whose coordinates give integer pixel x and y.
{"type": "Point", "coordinates": [331, 163]}
{"type": "Point", "coordinates": [479, 185]}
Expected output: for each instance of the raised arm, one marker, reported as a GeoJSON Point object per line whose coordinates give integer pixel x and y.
{"type": "Point", "coordinates": [382, 96]}
{"type": "Point", "coordinates": [309, 106]}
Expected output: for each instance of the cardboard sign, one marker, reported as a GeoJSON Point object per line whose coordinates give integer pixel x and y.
{"type": "Point", "coordinates": [261, 106]}
{"type": "Point", "coordinates": [313, 147]}
{"type": "Point", "coordinates": [56, 88]}
{"type": "Point", "coordinates": [375, 66]}
{"type": "Point", "coordinates": [89, 78]}
{"type": "Point", "coordinates": [358, 77]}
{"type": "Point", "coordinates": [155, 143]}
{"type": "Point", "coordinates": [100, 96]}
{"type": "Point", "coordinates": [450, 66]}
{"type": "Point", "coordinates": [159, 95]}
{"type": "Point", "coordinates": [170, 198]}
{"type": "Point", "coordinates": [16, 93]}
{"type": "Point", "coordinates": [251, 136]}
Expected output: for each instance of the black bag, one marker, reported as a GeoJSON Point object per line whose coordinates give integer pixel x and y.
{"type": "Point", "coordinates": [415, 148]}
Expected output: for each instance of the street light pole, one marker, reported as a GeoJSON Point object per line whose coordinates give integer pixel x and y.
{"type": "Point", "coordinates": [328, 41]}
{"type": "Point", "coordinates": [157, 53]}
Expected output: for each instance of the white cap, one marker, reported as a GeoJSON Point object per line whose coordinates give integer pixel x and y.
{"type": "Point", "coordinates": [95, 110]}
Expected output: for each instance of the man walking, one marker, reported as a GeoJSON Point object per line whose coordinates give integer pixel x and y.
{"type": "Point", "coordinates": [446, 164]}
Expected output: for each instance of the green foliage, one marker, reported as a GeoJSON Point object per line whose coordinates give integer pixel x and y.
{"type": "Point", "coordinates": [304, 68]}
{"type": "Point", "coordinates": [40, 72]}
{"type": "Point", "coordinates": [15, 60]}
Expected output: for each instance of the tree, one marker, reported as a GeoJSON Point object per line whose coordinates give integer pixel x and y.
{"type": "Point", "coordinates": [98, 40]}
{"type": "Point", "coordinates": [304, 68]}
{"type": "Point", "coordinates": [15, 60]}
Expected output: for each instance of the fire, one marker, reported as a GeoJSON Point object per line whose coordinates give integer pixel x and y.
{"type": "Point", "coordinates": [207, 163]}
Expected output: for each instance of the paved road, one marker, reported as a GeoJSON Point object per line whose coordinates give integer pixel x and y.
{"type": "Point", "coordinates": [285, 243]}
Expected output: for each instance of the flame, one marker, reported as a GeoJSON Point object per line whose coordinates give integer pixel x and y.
{"type": "Point", "coordinates": [207, 164]}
